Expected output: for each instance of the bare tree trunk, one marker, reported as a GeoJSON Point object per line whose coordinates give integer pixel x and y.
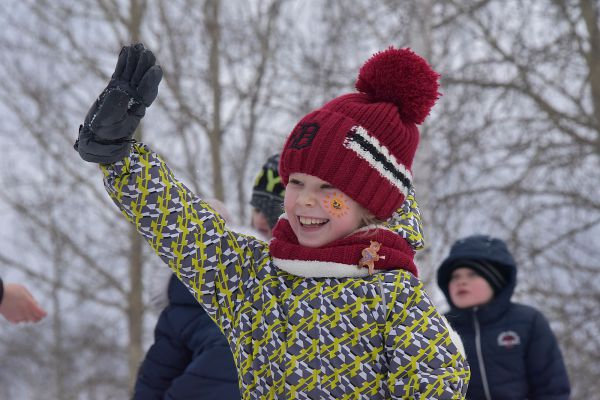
{"type": "Point", "coordinates": [135, 309]}
{"type": "Point", "coordinates": [57, 328]}
{"type": "Point", "coordinates": [590, 16]}
{"type": "Point", "coordinates": [212, 23]}
{"type": "Point", "coordinates": [420, 40]}
{"type": "Point", "coordinates": [256, 93]}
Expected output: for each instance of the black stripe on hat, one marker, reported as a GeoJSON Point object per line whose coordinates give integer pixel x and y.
{"type": "Point", "coordinates": [354, 136]}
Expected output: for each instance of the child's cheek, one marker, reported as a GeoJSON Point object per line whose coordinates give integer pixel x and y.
{"type": "Point", "coordinates": [336, 204]}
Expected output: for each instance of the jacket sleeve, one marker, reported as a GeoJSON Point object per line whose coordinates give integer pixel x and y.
{"type": "Point", "coordinates": [423, 360]}
{"type": "Point", "coordinates": [546, 373]}
{"type": "Point", "coordinates": [218, 265]}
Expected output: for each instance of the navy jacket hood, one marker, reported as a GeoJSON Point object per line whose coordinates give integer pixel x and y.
{"type": "Point", "coordinates": [480, 247]}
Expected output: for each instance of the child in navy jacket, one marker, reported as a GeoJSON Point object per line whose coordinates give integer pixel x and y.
{"type": "Point", "coordinates": [511, 349]}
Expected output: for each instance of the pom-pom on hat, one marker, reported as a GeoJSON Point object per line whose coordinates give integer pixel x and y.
{"type": "Point", "coordinates": [364, 143]}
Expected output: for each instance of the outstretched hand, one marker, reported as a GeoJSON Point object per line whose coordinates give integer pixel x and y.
{"type": "Point", "coordinates": [106, 134]}
{"type": "Point", "coordinates": [18, 305]}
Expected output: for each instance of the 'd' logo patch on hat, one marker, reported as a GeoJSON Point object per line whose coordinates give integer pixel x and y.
{"type": "Point", "coordinates": [304, 135]}
{"type": "Point", "coordinates": [509, 339]}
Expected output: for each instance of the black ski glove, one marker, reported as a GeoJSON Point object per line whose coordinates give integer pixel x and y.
{"type": "Point", "coordinates": [107, 132]}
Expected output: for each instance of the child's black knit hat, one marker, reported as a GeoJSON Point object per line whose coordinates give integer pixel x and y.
{"type": "Point", "coordinates": [487, 270]}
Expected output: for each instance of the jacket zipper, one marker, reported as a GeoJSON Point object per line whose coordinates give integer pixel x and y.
{"type": "Point", "coordinates": [484, 381]}
{"type": "Point", "coordinates": [383, 299]}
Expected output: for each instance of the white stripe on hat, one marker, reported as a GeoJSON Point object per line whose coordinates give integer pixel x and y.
{"type": "Point", "coordinates": [373, 156]}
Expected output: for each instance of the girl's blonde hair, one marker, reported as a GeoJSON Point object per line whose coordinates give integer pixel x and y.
{"type": "Point", "coordinates": [369, 219]}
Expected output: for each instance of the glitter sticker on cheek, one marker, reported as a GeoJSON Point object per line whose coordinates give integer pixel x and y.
{"type": "Point", "coordinates": [336, 204]}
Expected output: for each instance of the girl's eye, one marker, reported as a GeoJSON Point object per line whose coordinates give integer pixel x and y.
{"type": "Point", "coordinates": [327, 187]}
{"type": "Point", "coordinates": [295, 182]}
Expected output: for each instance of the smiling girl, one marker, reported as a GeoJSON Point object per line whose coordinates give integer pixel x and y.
{"type": "Point", "coordinates": [306, 316]}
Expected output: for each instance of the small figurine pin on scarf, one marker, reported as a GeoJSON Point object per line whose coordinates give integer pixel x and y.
{"type": "Point", "coordinates": [369, 256]}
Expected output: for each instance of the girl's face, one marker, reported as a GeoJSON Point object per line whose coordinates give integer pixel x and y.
{"type": "Point", "coordinates": [318, 212]}
{"type": "Point", "coordinates": [469, 289]}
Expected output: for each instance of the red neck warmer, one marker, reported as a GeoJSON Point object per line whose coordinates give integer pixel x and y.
{"type": "Point", "coordinates": [341, 257]}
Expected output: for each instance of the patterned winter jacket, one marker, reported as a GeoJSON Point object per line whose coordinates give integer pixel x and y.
{"type": "Point", "coordinates": [377, 337]}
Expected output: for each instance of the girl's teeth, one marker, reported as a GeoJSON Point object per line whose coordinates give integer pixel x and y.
{"type": "Point", "coordinates": [312, 221]}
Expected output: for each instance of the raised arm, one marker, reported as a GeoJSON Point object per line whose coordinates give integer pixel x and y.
{"type": "Point", "coordinates": [216, 264]}
{"type": "Point", "coordinates": [220, 266]}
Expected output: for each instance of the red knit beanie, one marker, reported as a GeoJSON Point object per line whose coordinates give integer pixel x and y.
{"type": "Point", "coordinates": [364, 143]}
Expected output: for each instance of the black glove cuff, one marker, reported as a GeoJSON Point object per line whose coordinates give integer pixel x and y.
{"type": "Point", "coordinates": [90, 136]}
{"type": "Point", "coordinates": [104, 151]}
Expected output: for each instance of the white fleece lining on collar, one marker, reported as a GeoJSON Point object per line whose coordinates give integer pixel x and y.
{"type": "Point", "coordinates": [320, 269]}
